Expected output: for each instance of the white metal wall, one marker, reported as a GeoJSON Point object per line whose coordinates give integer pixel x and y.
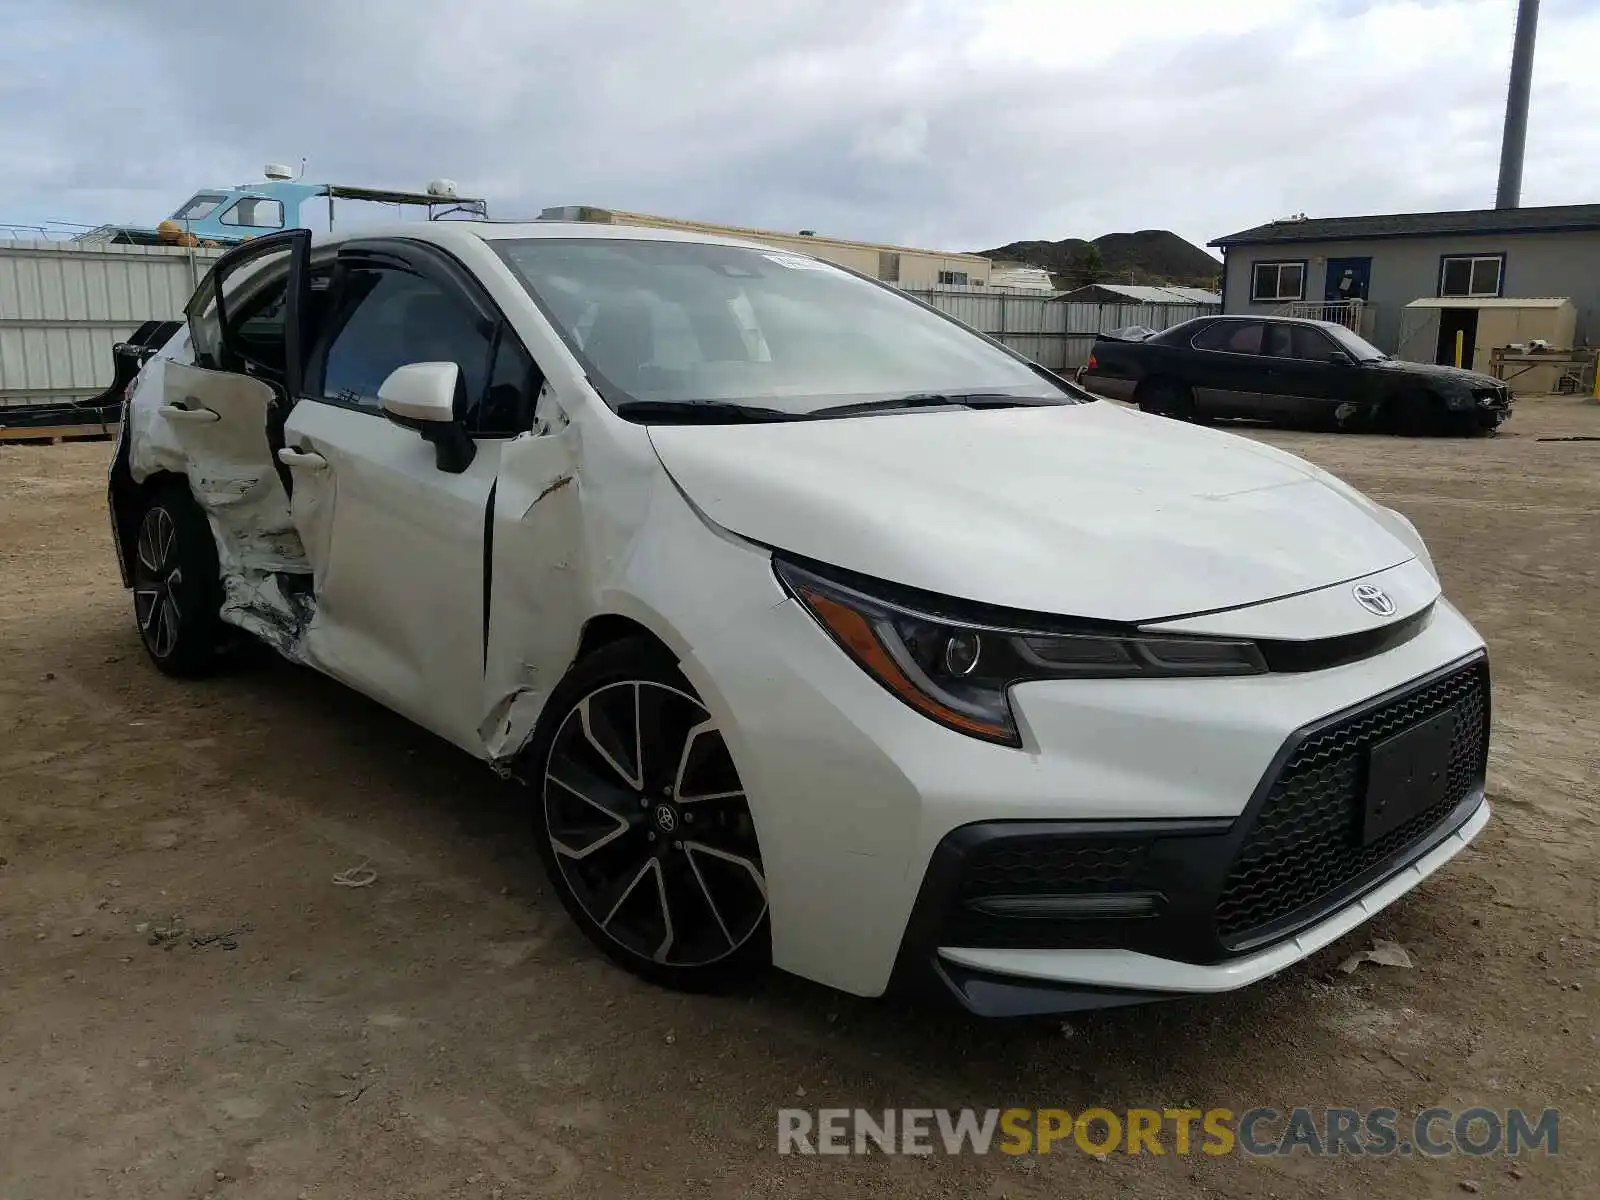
{"type": "Point", "coordinates": [64, 305]}
{"type": "Point", "coordinates": [1053, 333]}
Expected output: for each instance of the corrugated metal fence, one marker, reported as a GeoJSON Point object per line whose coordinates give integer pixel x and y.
{"type": "Point", "coordinates": [63, 305]}
{"type": "Point", "coordinates": [1054, 333]}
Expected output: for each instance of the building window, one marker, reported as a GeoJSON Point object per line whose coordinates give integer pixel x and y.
{"type": "Point", "coordinates": [1471, 274]}
{"type": "Point", "coordinates": [888, 266]}
{"type": "Point", "coordinates": [1278, 281]}
{"type": "Point", "coordinates": [953, 278]}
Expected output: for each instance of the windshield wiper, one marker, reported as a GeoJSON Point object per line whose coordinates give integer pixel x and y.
{"type": "Point", "coordinates": [933, 400]}
{"type": "Point", "coordinates": [698, 412]}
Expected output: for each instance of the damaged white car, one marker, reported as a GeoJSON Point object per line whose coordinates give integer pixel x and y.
{"type": "Point", "coordinates": [821, 630]}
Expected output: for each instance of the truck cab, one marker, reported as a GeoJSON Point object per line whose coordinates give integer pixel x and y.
{"type": "Point", "coordinates": [227, 216]}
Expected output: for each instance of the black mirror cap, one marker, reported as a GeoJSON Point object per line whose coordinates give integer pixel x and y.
{"type": "Point", "coordinates": [453, 447]}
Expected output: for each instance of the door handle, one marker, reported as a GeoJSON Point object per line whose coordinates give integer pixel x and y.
{"type": "Point", "coordinates": [174, 413]}
{"type": "Point", "coordinates": [302, 458]}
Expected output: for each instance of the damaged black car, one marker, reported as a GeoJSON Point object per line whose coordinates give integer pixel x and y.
{"type": "Point", "coordinates": [1290, 371]}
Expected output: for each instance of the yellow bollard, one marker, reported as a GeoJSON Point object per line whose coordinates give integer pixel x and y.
{"type": "Point", "coordinates": [1597, 376]}
{"type": "Point", "coordinates": [1461, 342]}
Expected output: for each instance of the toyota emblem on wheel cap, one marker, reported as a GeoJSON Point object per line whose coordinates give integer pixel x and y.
{"type": "Point", "coordinates": [1374, 599]}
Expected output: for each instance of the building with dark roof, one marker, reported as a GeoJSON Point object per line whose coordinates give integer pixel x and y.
{"type": "Point", "coordinates": [1365, 271]}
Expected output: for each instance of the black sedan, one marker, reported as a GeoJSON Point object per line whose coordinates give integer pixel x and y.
{"type": "Point", "coordinates": [1292, 371]}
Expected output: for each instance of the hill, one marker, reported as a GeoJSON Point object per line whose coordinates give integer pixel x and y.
{"type": "Point", "coordinates": [1149, 256]}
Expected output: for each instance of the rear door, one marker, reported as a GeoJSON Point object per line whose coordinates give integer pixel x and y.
{"type": "Point", "coordinates": [224, 416]}
{"type": "Point", "coordinates": [397, 544]}
{"type": "Point", "coordinates": [1224, 368]}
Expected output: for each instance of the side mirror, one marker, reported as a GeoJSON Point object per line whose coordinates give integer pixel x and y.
{"type": "Point", "coordinates": [422, 396]}
{"type": "Point", "coordinates": [1340, 359]}
{"type": "Point", "coordinates": [421, 392]}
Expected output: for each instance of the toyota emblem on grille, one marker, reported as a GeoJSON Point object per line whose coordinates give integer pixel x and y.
{"type": "Point", "coordinates": [1374, 599]}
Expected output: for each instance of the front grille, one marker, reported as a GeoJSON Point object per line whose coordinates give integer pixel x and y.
{"type": "Point", "coordinates": [1052, 864]}
{"type": "Point", "coordinates": [1305, 842]}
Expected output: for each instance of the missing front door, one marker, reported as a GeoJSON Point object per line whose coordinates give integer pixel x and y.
{"type": "Point", "coordinates": [1453, 321]}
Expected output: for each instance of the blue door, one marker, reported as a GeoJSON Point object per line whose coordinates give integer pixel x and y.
{"type": "Point", "coordinates": [1348, 279]}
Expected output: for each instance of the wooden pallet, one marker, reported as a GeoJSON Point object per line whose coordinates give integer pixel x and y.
{"type": "Point", "coordinates": [49, 435]}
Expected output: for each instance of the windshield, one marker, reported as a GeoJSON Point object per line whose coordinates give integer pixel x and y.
{"type": "Point", "coordinates": [661, 322]}
{"type": "Point", "coordinates": [1353, 344]}
{"type": "Point", "coordinates": [199, 208]}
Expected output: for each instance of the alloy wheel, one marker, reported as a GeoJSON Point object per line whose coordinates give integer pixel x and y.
{"type": "Point", "coordinates": [157, 577]}
{"type": "Point", "coordinates": [650, 826]}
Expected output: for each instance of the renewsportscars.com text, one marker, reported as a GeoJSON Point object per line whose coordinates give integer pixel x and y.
{"type": "Point", "coordinates": [1321, 1132]}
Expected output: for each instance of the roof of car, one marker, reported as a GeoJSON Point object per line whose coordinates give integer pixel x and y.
{"type": "Point", "coordinates": [492, 231]}
{"type": "Point", "coordinates": [1271, 317]}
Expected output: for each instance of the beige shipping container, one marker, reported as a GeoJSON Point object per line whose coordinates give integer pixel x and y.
{"type": "Point", "coordinates": [903, 265]}
{"type": "Point", "coordinates": [1504, 321]}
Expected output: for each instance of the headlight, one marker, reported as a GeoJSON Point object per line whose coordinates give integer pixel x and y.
{"type": "Point", "coordinates": [958, 671]}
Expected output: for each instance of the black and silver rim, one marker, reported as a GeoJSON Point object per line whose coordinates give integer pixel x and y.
{"type": "Point", "coordinates": [156, 579]}
{"type": "Point", "coordinates": [650, 826]}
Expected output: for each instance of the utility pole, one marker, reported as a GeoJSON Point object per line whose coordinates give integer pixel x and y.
{"type": "Point", "coordinates": [1514, 144]}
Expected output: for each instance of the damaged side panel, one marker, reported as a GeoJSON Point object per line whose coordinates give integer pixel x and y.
{"type": "Point", "coordinates": [211, 428]}
{"type": "Point", "coordinates": [537, 587]}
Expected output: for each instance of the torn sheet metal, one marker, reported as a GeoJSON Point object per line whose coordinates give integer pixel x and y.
{"type": "Point", "coordinates": [537, 599]}
{"type": "Point", "coordinates": [211, 428]}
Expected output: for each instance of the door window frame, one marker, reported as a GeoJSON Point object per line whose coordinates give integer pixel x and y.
{"type": "Point", "coordinates": [444, 271]}
{"type": "Point", "coordinates": [1311, 331]}
{"type": "Point", "coordinates": [1266, 339]}
{"type": "Point", "coordinates": [1235, 323]}
{"type": "Point", "coordinates": [207, 312]}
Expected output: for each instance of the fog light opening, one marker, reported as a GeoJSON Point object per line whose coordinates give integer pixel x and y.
{"type": "Point", "coordinates": [1082, 906]}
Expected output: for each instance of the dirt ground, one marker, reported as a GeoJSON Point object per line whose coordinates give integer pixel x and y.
{"type": "Point", "coordinates": [444, 1032]}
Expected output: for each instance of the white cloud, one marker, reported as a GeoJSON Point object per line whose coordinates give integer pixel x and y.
{"type": "Point", "coordinates": [954, 122]}
{"type": "Point", "coordinates": [896, 142]}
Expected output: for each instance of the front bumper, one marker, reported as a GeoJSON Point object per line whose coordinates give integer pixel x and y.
{"type": "Point", "coordinates": [1020, 917]}
{"type": "Point", "coordinates": [1489, 404]}
{"type": "Point", "coordinates": [1033, 982]}
{"type": "Point", "coordinates": [853, 792]}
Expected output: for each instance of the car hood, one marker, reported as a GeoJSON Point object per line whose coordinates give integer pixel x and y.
{"type": "Point", "coordinates": [1434, 371]}
{"type": "Point", "coordinates": [1086, 510]}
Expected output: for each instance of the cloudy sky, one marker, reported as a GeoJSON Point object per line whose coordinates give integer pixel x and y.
{"type": "Point", "coordinates": [950, 123]}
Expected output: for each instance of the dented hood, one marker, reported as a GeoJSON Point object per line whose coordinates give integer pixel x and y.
{"type": "Point", "coordinates": [1082, 510]}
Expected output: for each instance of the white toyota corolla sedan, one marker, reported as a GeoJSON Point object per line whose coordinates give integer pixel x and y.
{"type": "Point", "coordinates": [821, 630]}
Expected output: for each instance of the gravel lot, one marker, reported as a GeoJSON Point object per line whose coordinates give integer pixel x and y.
{"type": "Point", "coordinates": [444, 1032]}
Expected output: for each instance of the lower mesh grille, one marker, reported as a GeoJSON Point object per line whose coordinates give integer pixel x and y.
{"type": "Point", "coordinates": [1305, 842]}
{"type": "Point", "coordinates": [1047, 864]}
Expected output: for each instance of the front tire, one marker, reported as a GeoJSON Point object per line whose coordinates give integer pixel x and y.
{"type": "Point", "coordinates": [1419, 414]}
{"type": "Point", "coordinates": [643, 826]}
{"type": "Point", "coordinates": [177, 586]}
